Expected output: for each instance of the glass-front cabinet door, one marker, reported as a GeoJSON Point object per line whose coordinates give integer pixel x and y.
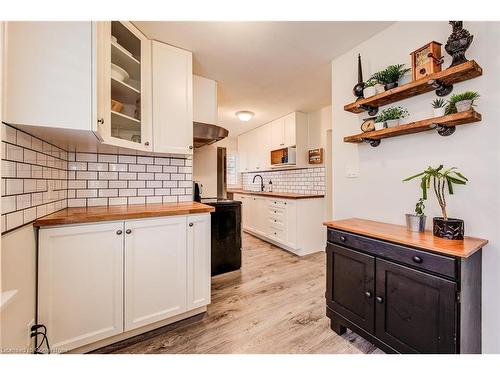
{"type": "Point", "coordinates": [123, 86]}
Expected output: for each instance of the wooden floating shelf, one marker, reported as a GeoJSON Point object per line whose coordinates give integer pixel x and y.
{"type": "Point", "coordinates": [444, 124]}
{"type": "Point", "coordinates": [444, 78]}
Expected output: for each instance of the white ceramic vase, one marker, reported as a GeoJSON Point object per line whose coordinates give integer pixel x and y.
{"type": "Point", "coordinates": [463, 105]}
{"type": "Point", "coordinates": [379, 125]}
{"type": "Point", "coordinates": [438, 112]}
{"type": "Point", "coordinates": [392, 123]}
{"type": "Point", "coordinates": [379, 87]}
{"type": "Point", "coordinates": [369, 91]}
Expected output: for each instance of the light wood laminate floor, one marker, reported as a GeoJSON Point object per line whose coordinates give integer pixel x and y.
{"type": "Point", "coordinates": [274, 304]}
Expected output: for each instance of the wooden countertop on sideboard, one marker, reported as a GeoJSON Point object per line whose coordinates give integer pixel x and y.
{"type": "Point", "coordinates": [276, 194]}
{"type": "Point", "coordinates": [400, 235]}
{"type": "Point", "coordinates": [79, 215]}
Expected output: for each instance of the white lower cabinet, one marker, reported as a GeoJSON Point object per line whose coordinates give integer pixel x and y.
{"type": "Point", "coordinates": [80, 283]}
{"type": "Point", "coordinates": [155, 270]}
{"type": "Point", "coordinates": [293, 224]}
{"type": "Point", "coordinates": [99, 280]}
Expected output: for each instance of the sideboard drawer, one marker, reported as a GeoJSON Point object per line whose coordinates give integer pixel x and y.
{"type": "Point", "coordinates": [424, 260]}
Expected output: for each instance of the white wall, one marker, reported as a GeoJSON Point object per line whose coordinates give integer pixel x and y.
{"type": "Point", "coordinates": [378, 192]}
{"type": "Point", "coordinates": [319, 122]}
{"type": "Point", "coordinates": [205, 164]}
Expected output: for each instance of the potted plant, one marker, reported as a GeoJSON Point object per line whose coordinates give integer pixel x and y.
{"type": "Point", "coordinates": [392, 116]}
{"type": "Point", "coordinates": [390, 76]}
{"type": "Point", "coordinates": [439, 106]}
{"type": "Point", "coordinates": [442, 180]}
{"type": "Point", "coordinates": [369, 89]}
{"type": "Point", "coordinates": [461, 102]}
{"type": "Point", "coordinates": [416, 222]}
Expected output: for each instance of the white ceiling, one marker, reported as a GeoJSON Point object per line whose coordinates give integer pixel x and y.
{"type": "Point", "coordinates": [269, 68]}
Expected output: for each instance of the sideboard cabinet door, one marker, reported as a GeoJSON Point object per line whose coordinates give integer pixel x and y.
{"type": "Point", "coordinates": [350, 285]}
{"type": "Point", "coordinates": [415, 311]}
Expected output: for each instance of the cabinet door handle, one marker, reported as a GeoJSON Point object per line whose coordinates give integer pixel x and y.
{"type": "Point", "coordinates": [119, 232]}
{"type": "Point", "coordinates": [190, 224]}
{"type": "Point", "coordinates": [128, 231]}
{"type": "Point", "coordinates": [190, 147]}
{"type": "Point", "coordinates": [100, 121]}
{"type": "Point", "coordinates": [417, 259]}
{"type": "Point", "coordinates": [380, 299]}
{"type": "Point", "coordinates": [368, 294]}
{"type": "Point", "coordinates": [146, 143]}
{"type": "Point", "coordinates": [343, 238]}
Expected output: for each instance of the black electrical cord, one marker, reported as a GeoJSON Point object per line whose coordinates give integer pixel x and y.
{"type": "Point", "coordinates": [35, 333]}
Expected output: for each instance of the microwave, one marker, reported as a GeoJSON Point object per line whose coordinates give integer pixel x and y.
{"type": "Point", "coordinates": [284, 156]}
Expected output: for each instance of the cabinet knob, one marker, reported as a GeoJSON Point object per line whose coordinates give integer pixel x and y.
{"type": "Point", "coordinates": [190, 147]}
{"type": "Point", "coordinates": [119, 232]}
{"type": "Point", "coordinates": [343, 238]}
{"type": "Point", "coordinates": [146, 143]}
{"type": "Point", "coordinates": [128, 231]}
{"type": "Point", "coordinates": [190, 224]}
{"type": "Point", "coordinates": [368, 294]}
{"type": "Point", "coordinates": [380, 299]}
{"type": "Point", "coordinates": [417, 259]}
{"type": "Point", "coordinates": [100, 121]}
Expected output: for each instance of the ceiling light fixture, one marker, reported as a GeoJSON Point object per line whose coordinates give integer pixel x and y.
{"type": "Point", "coordinates": [245, 115]}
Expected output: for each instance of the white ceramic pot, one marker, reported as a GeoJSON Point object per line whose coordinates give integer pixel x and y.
{"type": "Point", "coordinates": [379, 87]}
{"type": "Point", "coordinates": [438, 112]}
{"type": "Point", "coordinates": [463, 105]}
{"type": "Point", "coordinates": [369, 91]}
{"type": "Point", "coordinates": [379, 125]}
{"type": "Point", "coordinates": [392, 123]}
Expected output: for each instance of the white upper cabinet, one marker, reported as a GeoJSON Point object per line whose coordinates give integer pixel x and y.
{"type": "Point", "coordinates": [277, 134]}
{"type": "Point", "coordinates": [123, 76]}
{"type": "Point", "coordinates": [48, 74]}
{"type": "Point", "coordinates": [204, 100]}
{"type": "Point", "coordinates": [255, 146]}
{"type": "Point", "coordinates": [172, 99]}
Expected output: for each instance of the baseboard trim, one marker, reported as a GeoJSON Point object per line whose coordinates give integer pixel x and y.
{"type": "Point", "coordinates": [154, 329]}
{"type": "Point", "coordinates": [299, 252]}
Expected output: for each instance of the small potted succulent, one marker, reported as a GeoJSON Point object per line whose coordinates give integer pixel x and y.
{"type": "Point", "coordinates": [439, 106]}
{"type": "Point", "coordinates": [416, 222]}
{"type": "Point", "coordinates": [461, 102]}
{"type": "Point", "coordinates": [369, 89]}
{"type": "Point", "coordinates": [392, 115]}
{"type": "Point", "coordinates": [442, 180]}
{"type": "Point", "coordinates": [390, 76]}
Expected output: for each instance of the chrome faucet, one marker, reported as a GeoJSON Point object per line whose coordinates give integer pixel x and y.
{"type": "Point", "coordinates": [261, 181]}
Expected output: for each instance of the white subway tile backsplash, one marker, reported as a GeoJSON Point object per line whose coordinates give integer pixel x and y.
{"type": "Point", "coordinates": [39, 178]}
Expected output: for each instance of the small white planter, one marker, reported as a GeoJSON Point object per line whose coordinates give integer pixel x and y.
{"type": "Point", "coordinates": [463, 105]}
{"type": "Point", "coordinates": [438, 112]}
{"type": "Point", "coordinates": [392, 123]}
{"type": "Point", "coordinates": [379, 87]}
{"type": "Point", "coordinates": [379, 125]}
{"type": "Point", "coordinates": [369, 91]}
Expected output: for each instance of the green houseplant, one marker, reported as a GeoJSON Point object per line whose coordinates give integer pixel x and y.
{"type": "Point", "coordinates": [461, 102]}
{"type": "Point", "coordinates": [416, 222]}
{"type": "Point", "coordinates": [439, 106]}
{"type": "Point", "coordinates": [390, 76]}
{"type": "Point", "coordinates": [442, 180]}
{"type": "Point", "coordinates": [369, 88]}
{"type": "Point", "coordinates": [392, 115]}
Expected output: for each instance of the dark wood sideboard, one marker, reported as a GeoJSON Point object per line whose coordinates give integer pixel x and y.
{"type": "Point", "coordinates": [406, 292]}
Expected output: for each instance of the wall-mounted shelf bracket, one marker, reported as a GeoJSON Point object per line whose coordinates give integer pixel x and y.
{"type": "Point", "coordinates": [442, 89]}
{"type": "Point", "coordinates": [372, 142]}
{"type": "Point", "coordinates": [445, 131]}
{"type": "Point", "coordinates": [372, 110]}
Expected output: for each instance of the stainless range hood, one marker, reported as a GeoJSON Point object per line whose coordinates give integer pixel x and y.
{"type": "Point", "coordinates": [206, 134]}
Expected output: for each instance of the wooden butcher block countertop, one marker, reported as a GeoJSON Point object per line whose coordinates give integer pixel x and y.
{"type": "Point", "coordinates": [80, 215]}
{"type": "Point", "coordinates": [400, 235]}
{"type": "Point", "coordinates": [276, 195]}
